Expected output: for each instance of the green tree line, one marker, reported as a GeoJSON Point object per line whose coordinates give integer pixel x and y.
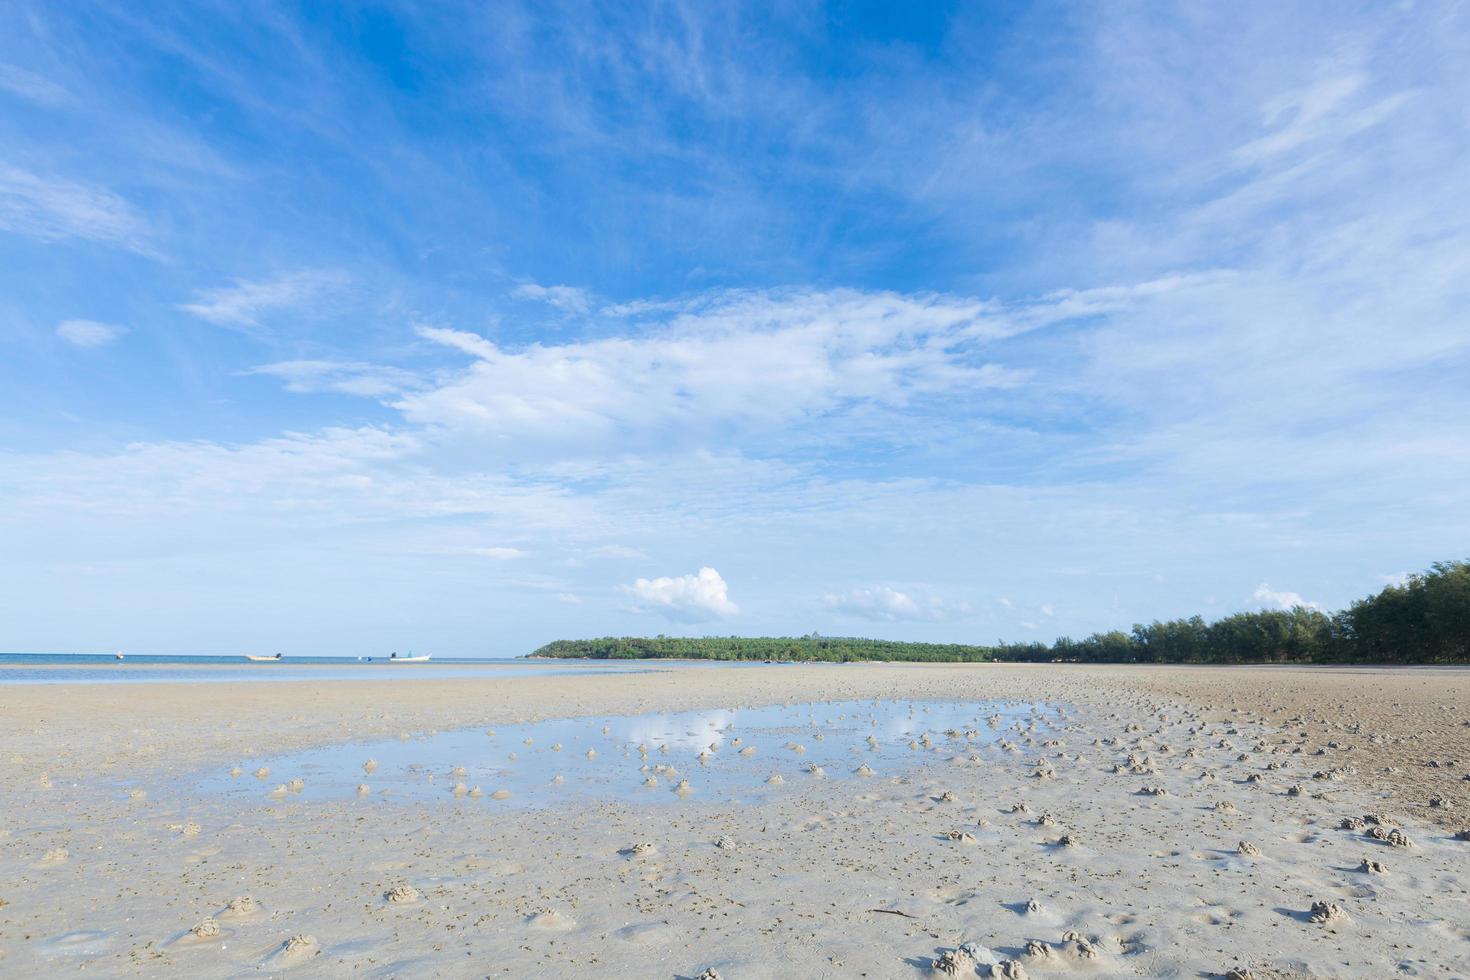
{"type": "Point", "coordinates": [1425, 619]}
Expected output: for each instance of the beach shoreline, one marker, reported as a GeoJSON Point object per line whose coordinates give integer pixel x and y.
{"type": "Point", "coordinates": [112, 855]}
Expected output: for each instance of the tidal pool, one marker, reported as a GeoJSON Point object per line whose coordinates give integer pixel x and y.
{"type": "Point", "coordinates": [714, 755]}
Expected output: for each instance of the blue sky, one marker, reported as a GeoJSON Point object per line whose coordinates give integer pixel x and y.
{"type": "Point", "coordinates": [464, 327]}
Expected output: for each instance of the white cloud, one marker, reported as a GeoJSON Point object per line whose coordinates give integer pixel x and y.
{"type": "Point", "coordinates": [88, 333]}
{"type": "Point", "coordinates": [1268, 598]}
{"type": "Point", "coordinates": [884, 604]}
{"type": "Point", "coordinates": [569, 299]}
{"type": "Point", "coordinates": [569, 598]}
{"type": "Point", "coordinates": [687, 598]}
{"type": "Point", "coordinates": [497, 553]}
{"type": "Point", "coordinates": [52, 209]}
{"type": "Point", "coordinates": [344, 377]}
{"type": "Point", "coordinates": [617, 551]}
{"type": "Point", "coordinates": [758, 360]}
{"type": "Point", "coordinates": [242, 303]}
{"type": "Point", "coordinates": [29, 85]}
{"type": "Point", "coordinates": [461, 340]}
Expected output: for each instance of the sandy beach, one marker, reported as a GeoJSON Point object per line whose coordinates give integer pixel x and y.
{"type": "Point", "coordinates": [1145, 821]}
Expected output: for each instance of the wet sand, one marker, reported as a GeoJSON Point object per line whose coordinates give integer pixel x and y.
{"type": "Point", "coordinates": [1171, 822]}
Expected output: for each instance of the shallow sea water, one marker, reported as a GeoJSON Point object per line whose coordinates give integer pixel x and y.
{"type": "Point", "coordinates": [724, 755]}
{"type": "Point", "coordinates": [65, 669]}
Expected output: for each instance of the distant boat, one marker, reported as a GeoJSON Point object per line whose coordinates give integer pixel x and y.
{"type": "Point", "coordinates": [395, 658]}
{"type": "Point", "coordinates": [118, 655]}
{"type": "Point", "coordinates": [262, 660]}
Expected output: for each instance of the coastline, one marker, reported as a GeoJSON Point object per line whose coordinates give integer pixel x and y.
{"type": "Point", "coordinates": [111, 856]}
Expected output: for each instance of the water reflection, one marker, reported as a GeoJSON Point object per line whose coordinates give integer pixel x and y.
{"type": "Point", "coordinates": [715, 755]}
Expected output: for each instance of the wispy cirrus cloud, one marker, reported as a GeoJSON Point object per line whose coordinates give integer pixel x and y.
{"type": "Point", "coordinates": [568, 299]}
{"type": "Point", "coordinates": [54, 209]}
{"type": "Point", "coordinates": [755, 359]}
{"type": "Point", "coordinates": [32, 87]}
{"type": "Point", "coordinates": [243, 303]}
{"type": "Point", "coordinates": [343, 377]}
{"type": "Point", "coordinates": [89, 333]}
{"type": "Point", "coordinates": [882, 603]}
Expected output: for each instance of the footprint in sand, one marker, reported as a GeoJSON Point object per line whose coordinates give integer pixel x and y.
{"type": "Point", "coordinates": [646, 934]}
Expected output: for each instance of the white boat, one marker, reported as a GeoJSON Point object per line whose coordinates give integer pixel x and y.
{"type": "Point", "coordinates": [421, 659]}
{"type": "Point", "coordinates": [118, 655]}
{"type": "Point", "coordinates": [262, 660]}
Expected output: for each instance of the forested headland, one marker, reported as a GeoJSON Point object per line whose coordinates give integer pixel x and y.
{"type": "Point", "coordinates": [1425, 619]}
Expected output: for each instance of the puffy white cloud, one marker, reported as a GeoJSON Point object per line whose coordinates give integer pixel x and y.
{"type": "Point", "coordinates": [88, 333]}
{"type": "Point", "coordinates": [242, 303]}
{"type": "Point", "coordinates": [1268, 598]}
{"type": "Point", "coordinates": [882, 603]}
{"type": "Point", "coordinates": [688, 598]}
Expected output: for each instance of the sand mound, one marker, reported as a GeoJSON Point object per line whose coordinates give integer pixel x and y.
{"type": "Point", "coordinates": [207, 929]}
{"type": "Point", "coordinates": [300, 947]}
{"type": "Point", "coordinates": [954, 963]}
{"type": "Point", "coordinates": [1326, 912]}
{"type": "Point", "coordinates": [1246, 849]}
{"type": "Point", "coordinates": [241, 905]}
{"type": "Point", "coordinates": [548, 918]}
{"type": "Point", "coordinates": [402, 894]}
